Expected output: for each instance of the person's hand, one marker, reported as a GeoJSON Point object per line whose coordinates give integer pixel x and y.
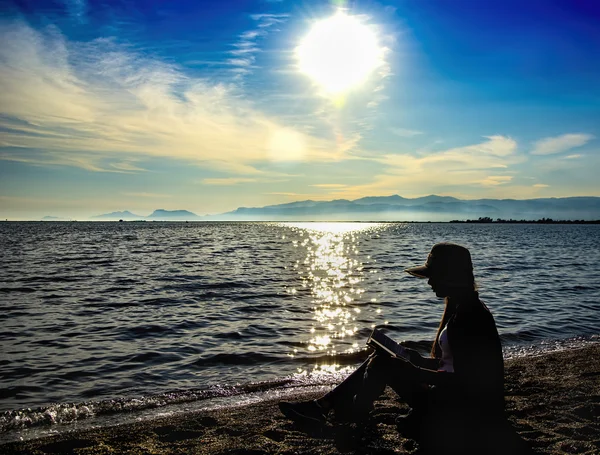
{"type": "Point", "coordinates": [414, 357]}
{"type": "Point", "coordinates": [400, 364]}
{"type": "Point", "coordinates": [387, 362]}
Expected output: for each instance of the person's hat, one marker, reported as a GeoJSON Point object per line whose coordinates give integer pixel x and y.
{"type": "Point", "coordinates": [447, 262]}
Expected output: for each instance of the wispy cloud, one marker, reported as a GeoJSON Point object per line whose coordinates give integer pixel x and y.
{"type": "Point", "coordinates": [94, 163]}
{"type": "Point", "coordinates": [149, 195]}
{"type": "Point", "coordinates": [76, 8]}
{"type": "Point", "coordinates": [560, 144]}
{"type": "Point", "coordinates": [330, 185]}
{"type": "Point", "coordinates": [103, 107]}
{"type": "Point", "coordinates": [243, 62]}
{"type": "Point", "coordinates": [267, 20]}
{"type": "Point", "coordinates": [243, 56]}
{"type": "Point", "coordinates": [301, 196]}
{"type": "Point", "coordinates": [495, 180]}
{"type": "Point", "coordinates": [540, 185]}
{"type": "Point", "coordinates": [227, 181]}
{"type": "Point", "coordinates": [126, 166]}
{"type": "Point", "coordinates": [402, 132]}
{"type": "Point", "coordinates": [450, 170]}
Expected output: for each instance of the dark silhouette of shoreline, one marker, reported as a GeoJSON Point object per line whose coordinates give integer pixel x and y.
{"type": "Point", "coordinates": [486, 219]}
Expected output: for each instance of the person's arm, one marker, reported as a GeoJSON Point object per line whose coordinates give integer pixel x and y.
{"type": "Point", "coordinates": [425, 375]}
{"type": "Point", "coordinates": [418, 360]}
{"type": "Point", "coordinates": [428, 363]}
{"type": "Point", "coordinates": [434, 377]}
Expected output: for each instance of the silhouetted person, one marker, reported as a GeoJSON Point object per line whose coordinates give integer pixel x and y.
{"type": "Point", "coordinates": [456, 393]}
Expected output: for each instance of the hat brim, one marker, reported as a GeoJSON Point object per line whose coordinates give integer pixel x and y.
{"type": "Point", "coordinates": [421, 271]}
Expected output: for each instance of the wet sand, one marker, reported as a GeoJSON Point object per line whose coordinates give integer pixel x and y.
{"type": "Point", "coordinates": [552, 404]}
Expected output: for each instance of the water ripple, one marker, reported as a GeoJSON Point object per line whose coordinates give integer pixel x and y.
{"type": "Point", "coordinates": [111, 311]}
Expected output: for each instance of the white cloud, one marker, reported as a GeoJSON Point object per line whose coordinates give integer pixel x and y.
{"type": "Point", "coordinates": [301, 196]}
{"type": "Point", "coordinates": [573, 157]}
{"type": "Point", "coordinates": [452, 170]}
{"type": "Point", "coordinates": [101, 107]}
{"type": "Point", "coordinates": [76, 8]}
{"type": "Point", "coordinates": [227, 181]}
{"type": "Point", "coordinates": [403, 132]}
{"type": "Point", "coordinates": [126, 166]}
{"type": "Point", "coordinates": [149, 195]}
{"type": "Point", "coordinates": [495, 180]}
{"type": "Point", "coordinates": [241, 61]}
{"type": "Point", "coordinates": [540, 185]}
{"type": "Point", "coordinates": [496, 152]}
{"type": "Point", "coordinates": [267, 19]}
{"type": "Point", "coordinates": [495, 146]}
{"type": "Point", "coordinates": [329, 185]}
{"type": "Point", "coordinates": [84, 161]}
{"type": "Point", "coordinates": [559, 144]}
{"type": "Point", "coordinates": [246, 48]}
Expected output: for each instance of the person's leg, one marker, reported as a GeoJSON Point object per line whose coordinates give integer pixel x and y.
{"type": "Point", "coordinates": [400, 376]}
{"type": "Point", "coordinates": [340, 399]}
{"type": "Point", "coordinates": [368, 382]}
{"type": "Point", "coordinates": [353, 398]}
{"type": "Point", "coordinates": [378, 374]}
{"type": "Point", "coordinates": [345, 391]}
{"type": "Point", "coordinates": [415, 394]}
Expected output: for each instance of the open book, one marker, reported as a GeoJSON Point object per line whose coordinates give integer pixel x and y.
{"type": "Point", "coordinates": [382, 342]}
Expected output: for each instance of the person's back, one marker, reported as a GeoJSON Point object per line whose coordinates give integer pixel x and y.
{"type": "Point", "coordinates": [468, 416]}
{"type": "Point", "coordinates": [478, 359]}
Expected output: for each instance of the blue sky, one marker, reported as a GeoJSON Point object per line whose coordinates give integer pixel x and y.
{"type": "Point", "coordinates": [206, 106]}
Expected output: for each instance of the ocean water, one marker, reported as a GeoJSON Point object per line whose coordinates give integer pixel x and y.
{"type": "Point", "coordinates": [144, 318]}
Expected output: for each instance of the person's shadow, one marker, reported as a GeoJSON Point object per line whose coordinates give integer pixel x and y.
{"type": "Point", "coordinates": [459, 437]}
{"type": "Point", "coordinates": [439, 434]}
{"type": "Point", "coordinates": [448, 437]}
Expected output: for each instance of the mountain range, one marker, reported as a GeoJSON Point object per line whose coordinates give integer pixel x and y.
{"type": "Point", "coordinates": [159, 214]}
{"type": "Point", "coordinates": [392, 208]}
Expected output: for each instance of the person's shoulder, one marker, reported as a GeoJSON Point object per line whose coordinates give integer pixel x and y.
{"type": "Point", "coordinates": [485, 309]}
{"type": "Point", "coordinates": [476, 309]}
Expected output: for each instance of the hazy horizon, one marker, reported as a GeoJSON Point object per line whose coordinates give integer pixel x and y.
{"type": "Point", "coordinates": [90, 214]}
{"type": "Point", "coordinates": [430, 208]}
{"type": "Point", "coordinates": [208, 107]}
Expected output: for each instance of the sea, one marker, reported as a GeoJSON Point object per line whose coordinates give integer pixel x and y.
{"type": "Point", "coordinates": [107, 322]}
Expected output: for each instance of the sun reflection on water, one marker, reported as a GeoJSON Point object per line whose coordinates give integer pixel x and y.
{"type": "Point", "coordinates": [333, 272]}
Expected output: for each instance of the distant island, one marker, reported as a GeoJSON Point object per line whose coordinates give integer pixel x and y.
{"type": "Point", "coordinates": [396, 208]}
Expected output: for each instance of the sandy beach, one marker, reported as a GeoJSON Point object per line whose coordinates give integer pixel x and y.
{"type": "Point", "coordinates": [552, 404]}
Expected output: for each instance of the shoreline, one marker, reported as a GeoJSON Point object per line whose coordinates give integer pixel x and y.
{"type": "Point", "coordinates": [552, 405]}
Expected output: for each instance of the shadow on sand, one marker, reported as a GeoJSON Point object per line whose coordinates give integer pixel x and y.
{"type": "Point", "coordinates": [450, 438]}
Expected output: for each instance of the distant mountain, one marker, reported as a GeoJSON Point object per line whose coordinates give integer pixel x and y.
{"type": "Point", "coordinates": [428, 208]}
{"type": "Point", "coordinates": [393, 208]}
{"type": "Point", "coordinates": [162, 214]}
{"type": "Point", "coordinates": [399, 200]}
{"type": "Point", "coordinates": [125, 215]}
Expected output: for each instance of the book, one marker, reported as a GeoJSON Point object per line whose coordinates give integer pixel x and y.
{"type": "Point", "coordinates": [382, 342]}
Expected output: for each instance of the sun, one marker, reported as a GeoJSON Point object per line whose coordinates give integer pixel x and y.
{"type": "Point", "coordinates": [339, 53]}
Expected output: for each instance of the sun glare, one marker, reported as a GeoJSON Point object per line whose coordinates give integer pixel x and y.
{"type": "Point", "coordinates": [339, 53]}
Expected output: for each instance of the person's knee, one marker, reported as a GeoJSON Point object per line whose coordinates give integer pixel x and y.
{"type": "Point", "coordinates": [377, 371]}
{"type": "Point", "coordinates": [378, 362]}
